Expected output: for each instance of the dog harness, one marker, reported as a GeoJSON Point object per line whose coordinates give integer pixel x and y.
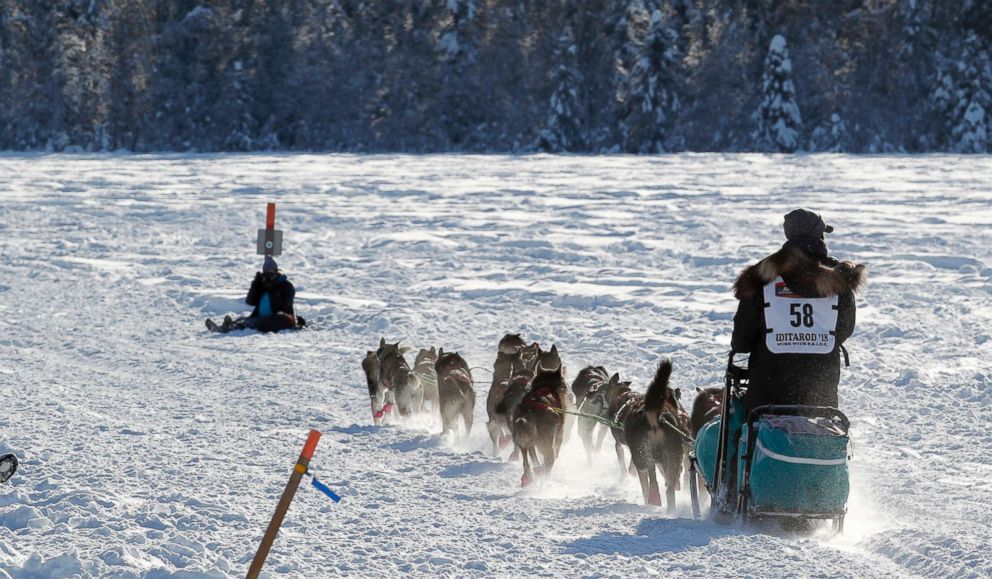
{"type": "Point", "coordinates": [628, 398]}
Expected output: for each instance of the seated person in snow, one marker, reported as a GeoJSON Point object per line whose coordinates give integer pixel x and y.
{"type": "Point", "coordinates": [796, 308]}
{"type": "Point", "coordinates": [272, 294]}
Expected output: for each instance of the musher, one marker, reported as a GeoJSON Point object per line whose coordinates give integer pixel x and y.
{"type": "Point", "coordinates": [795, 310]}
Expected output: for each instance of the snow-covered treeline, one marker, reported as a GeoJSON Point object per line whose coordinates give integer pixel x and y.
{"type": "Point", "coordinates": [636, 76]}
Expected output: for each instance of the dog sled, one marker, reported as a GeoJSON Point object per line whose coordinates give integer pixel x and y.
{"type": "Point", "coordinates": [789, 463]}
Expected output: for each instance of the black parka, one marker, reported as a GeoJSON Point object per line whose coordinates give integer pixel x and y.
{"type": "Point", "coordinates": [793, 378]}
{"type": "Point", "coordinates": [281, 295]}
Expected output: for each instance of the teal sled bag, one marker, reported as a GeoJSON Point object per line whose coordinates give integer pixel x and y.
{"type": "Point", "coordinates": [799, 465]}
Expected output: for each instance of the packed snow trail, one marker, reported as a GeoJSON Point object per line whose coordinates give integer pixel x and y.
{"type": "Point", "coordinates": [149, 447]}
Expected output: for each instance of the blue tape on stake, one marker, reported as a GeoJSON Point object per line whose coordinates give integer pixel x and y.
{"type": "Point", "coordinates": [323, 488]}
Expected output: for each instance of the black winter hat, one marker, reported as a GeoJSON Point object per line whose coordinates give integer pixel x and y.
{"type": "Point", "coordinates": [269, 265]}
{"type": "Point", "coordinates": [805, 223]}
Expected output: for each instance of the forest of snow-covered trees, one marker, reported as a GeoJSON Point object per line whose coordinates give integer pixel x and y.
{"type": "Point", "coordinates": [639, 76]}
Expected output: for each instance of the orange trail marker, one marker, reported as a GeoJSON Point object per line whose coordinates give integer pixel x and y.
{"type": "Point", "coordinates": [270, 239]}
{"type": "Point", "coordinates": [287, 497]}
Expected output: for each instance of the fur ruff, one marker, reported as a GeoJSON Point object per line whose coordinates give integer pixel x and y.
{"type": "Point", "coordinates": [821, 277]}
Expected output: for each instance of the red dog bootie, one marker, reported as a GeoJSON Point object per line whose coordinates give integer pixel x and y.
{"type": "Point", "coordinates": [525, 480]}
{"type": "Point", "coordinates": [515, 455]}
{"type": "Point", "coordinates": [504, 440]}
{"type": "Point", "coordinates": [654, 497]}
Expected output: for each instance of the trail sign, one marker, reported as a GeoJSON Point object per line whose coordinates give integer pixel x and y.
{"type": "Point", "coordinates": [270, 238]}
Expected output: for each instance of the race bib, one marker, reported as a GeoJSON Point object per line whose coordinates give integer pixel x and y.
{"type": "Point", "coordinates": [798, 325]}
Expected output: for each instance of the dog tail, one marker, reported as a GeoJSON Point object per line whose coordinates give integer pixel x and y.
{"type": "Point", "coordinates": [657, 390]}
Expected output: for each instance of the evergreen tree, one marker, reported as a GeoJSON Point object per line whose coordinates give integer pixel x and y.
{"type": "Point", "coordinates": [916, 29]}
{"type": "Point", "coordinates": [130, 119]}
{"type": "Point", "coordinates": [410, 75]}
{"type": "Point", "coordinates": [459, 110]}
{"type": "Point", "coordinates": [778, 120]}
{"type": "Point", "coordinates": [563, 129]}
{"type": "Point", "coordinates": [969, 103]}
{"type": "Point", "coordinates": [25, 32]}
{"type": "Point", "coordinates": [650, 99]}
{"type": "Point", "coordinates": [829, 137]}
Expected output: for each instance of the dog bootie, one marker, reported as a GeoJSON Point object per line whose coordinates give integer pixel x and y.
{"type": "Point", "coordinates": [654, 497]}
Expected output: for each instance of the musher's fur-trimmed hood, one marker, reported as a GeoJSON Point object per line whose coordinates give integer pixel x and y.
{"type": "Point", "coordinates": [810, 274]}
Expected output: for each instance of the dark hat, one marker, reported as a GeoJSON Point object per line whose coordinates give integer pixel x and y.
{"type": "Point", "coordinates": [805, 223]}
{"type": "Point", "coordinates": [269, 265]}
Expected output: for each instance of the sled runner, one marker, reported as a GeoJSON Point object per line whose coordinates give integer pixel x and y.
{"type": "Point", "coordinates": [789, 462]}
{"type": "Point", "coordinates": [8, 466]}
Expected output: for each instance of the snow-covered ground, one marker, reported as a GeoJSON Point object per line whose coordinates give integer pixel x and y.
{"type": "Point", "coordinates": [152, 448]}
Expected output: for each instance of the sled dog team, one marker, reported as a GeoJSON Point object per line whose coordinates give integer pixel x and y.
{"type": "Point", "coordinates": [530, 405]}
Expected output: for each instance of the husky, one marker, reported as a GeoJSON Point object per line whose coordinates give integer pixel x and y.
{"type": "Point", "coordinates": [654, 427]}
{"type": "Point", "coordinates": [457, 397]}
{"type": "Point", "coordinates": [590, 389]}
{"type": "Point", "coordinates": [510, 344]}
{"type": "Point", "coordinates": [537, 423]}
{"type": "Point", "coordinates": [504, 369]}
{"type": "Point", "coordinates": [423, 367]}
{"type": "Point", "coordinates": [395, 375]}
{"type": "Point", "coordinates": [548, 360]}
{"type": "Point", "coordinates": [382, 406]}
{"type": "Point", "coordinates": [529, 354]}
{"type": "Point", "coordinates": [705, 407]}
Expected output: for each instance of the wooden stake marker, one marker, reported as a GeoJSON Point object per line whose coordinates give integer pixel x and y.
{"type": "Point", "coordinates": [287, 497]}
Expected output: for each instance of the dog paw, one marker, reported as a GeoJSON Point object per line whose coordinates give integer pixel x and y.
{"type": "Point", "coordinates": [504, 440]}
{"type": "Point", "coordinates": [526, 480]}
{"type": "Point", "coordinates": [515, 455]}
{"type": "Point", "coordinates": [540, 470]}
{"type": "Point", "coordinates": [632, 470]}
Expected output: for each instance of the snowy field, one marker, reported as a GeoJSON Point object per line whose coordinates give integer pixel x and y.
{"type": "Point", "coordinates": [152, 448]}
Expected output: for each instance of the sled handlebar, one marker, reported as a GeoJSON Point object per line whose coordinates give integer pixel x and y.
{"type": "Point", "coordinates": [735, 375]}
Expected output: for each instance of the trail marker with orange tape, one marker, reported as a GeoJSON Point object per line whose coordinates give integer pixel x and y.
{"type": "Point", "coordinates": [270, 238]}
{"type": "Point", "coordinates": [287, 497]}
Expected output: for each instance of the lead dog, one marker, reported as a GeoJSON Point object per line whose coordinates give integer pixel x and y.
{"type": "Point", "coordinates": [381, 406]}
{"type": "Point", "coordinates": [395, 375]}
